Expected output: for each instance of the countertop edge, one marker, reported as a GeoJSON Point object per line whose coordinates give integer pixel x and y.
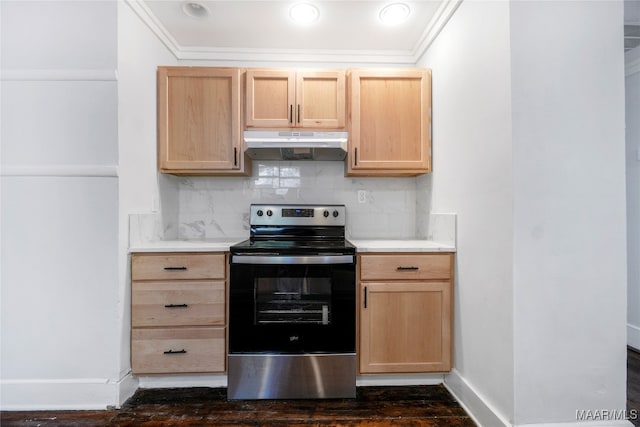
{"type": "Point", "coordinates": [362, 246]}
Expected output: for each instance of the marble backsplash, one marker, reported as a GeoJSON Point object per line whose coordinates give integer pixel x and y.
{"type": "Point", "coordinates": [199, 208]}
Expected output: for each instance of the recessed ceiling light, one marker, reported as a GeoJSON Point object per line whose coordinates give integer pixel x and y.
{"type": "Point", "coordinates": [304, 13]}
{"type": "Point", "coordinates": [195, 9]}
{"type": "Point", "coordinates": [394, 13]}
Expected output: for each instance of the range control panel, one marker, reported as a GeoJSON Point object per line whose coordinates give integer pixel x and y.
{"type": "Point", "coordinates": [310, 215]}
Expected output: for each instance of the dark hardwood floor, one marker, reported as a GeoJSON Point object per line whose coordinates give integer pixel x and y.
{"type": "Point", "coordinates": [633, 386]}
{"type": "Point", "coordinates": [428, 406]}
{"type": "Point", "coordinates": [425, 406]}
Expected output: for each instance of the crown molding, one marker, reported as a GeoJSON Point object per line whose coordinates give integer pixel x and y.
{"type": "Point", "coordinates": [438, 22]}
{"type": "Point", "coordinates": [246, 55]}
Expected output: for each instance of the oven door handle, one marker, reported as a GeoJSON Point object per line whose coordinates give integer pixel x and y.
{"type": "Point", "coordinates": [292, 259]}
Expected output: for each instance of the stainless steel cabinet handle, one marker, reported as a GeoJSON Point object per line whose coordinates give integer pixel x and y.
{"type": "Point", "coordinates": [408, 268]}
{"type": "Point", "coordinates": [355, 156]}
{"type": "Point", "coordinates": [175, 268]}
{"type": "Point", "coordinates": [290, 113]}
{"type": "Point", "coordinates": [298, 113]}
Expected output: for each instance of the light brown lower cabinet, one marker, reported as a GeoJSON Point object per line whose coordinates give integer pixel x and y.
{"type": "Point", "coordinates": [178, 313]}
{"type": "Point", "coordinates": [177, 350]}
{"type": "Point", "coordinates": [405, 315]}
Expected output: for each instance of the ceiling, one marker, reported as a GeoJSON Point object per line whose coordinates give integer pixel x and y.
{"type": "Point", "coordinates": [345, 31]}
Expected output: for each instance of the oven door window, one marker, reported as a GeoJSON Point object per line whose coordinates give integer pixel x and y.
{"type": "Point", "coordinates": [292, 308]}
{"type": "Point", "coordinates": [303, 299]}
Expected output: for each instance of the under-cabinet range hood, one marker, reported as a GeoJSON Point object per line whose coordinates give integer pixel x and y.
{"type": "Point", "coordinates": [296, 145]}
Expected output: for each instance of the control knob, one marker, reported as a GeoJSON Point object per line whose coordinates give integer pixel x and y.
{"type": "Point", "coordinates": [326, 214]}
{"type": "Point", "coordinates": [260, 213]}
{"type": "Point", "coordinates": [269, 212]}
{"type": "Point", "coordinates": [335, 214]}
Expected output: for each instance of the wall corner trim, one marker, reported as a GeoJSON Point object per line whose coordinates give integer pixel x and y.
{"type": "Point", "coordinates": [476, 406]}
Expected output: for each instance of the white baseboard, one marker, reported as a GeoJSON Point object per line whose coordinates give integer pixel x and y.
{"type": "Point", "coordinates": [181, 381]}
{"type": "Point", "coordinates": [581, 424]}
{"type": "Point", "coordinates": [482, 412]}
{"type": "Point", "coordinates": [398, 379]}
{"type": "Point", "coordinates": [65, 394]}
{"type": "Point", "coordinates": [633, 336]}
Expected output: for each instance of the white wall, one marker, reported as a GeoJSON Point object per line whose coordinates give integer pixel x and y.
{"type": "Point", "coordinates": [60, 327]}
{"type": "Point", "coordinates": [632, 72]}
{"type": "Point", "coordinates": [472, 176]}
{"type": "Point", "coordinates": [569, 209]}
{"type": "Point", "coordinates": [528, 131]}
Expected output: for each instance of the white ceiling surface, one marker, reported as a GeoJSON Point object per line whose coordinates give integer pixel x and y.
{"type": "Point", "coordinates": [246, 30]}
{"type": "Point", "coordinates": [346, 31]}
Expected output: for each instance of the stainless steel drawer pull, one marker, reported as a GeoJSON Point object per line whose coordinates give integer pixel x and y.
{"type": "Point", "coordinates": [176, 305]}
{"type": "Point", "coordinates": [408, 268]}
{"type": "Point", "coordinates": [183, 351]}
{"type": "Point", "coordinates": [175, 268]}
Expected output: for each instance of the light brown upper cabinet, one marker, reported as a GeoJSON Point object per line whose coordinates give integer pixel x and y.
{"type": "Point", "coordinates": [389, 122]}
{"type": "Point", "coordinates": [199, 121]}
{"type": "Point", "coordinates": [279, 98]}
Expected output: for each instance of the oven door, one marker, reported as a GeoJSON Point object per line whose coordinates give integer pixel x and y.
{"type": "Point", "coordinates": [292, 304]}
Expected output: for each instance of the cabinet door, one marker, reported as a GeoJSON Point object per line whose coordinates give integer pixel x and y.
{"type": "Point", "coordinates": [320, 99]}
{"type": "Point", "coordinates": [270, 98]}
{"type": "Point", "coordinates": [199, 120]}
{"type": "Point", "coordinates": [390, 122]}
{"type": "Point", "coordinates": [405, 327]}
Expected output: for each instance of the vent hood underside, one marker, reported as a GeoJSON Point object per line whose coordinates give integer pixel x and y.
{"type": "Point", "coordinates": [297, 145]}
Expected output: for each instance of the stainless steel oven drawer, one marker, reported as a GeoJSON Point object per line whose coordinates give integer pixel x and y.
{"type": "Point", "coordinates": [291, 376]}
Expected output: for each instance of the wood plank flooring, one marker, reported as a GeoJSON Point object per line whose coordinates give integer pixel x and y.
{"type": "Point", "coordinates": [633, 385]}
{"type": "Point", "coordinates": [424, 406]}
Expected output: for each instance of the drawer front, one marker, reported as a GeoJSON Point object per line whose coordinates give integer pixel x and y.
{"type": "Point", "coordinates": [404, 266]}
{"type": "Point", "coordinates": [177, 266]}
{"type": "Point", "coordinates": [178, 303]}
{"type": "Point", "coordinates": [181, 350]}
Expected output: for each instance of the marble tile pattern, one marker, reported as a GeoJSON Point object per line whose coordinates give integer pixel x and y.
{"type": "Point", "coordinates": [216, 207]}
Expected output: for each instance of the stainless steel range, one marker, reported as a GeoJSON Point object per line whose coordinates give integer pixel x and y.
{"type": "Point", "coordinates": [292, 306]}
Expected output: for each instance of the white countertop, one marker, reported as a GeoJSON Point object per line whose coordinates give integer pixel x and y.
{"type": "Point", "coordinates": [381, 245]}
{"type": "Point", "coordinates": [222, 245]}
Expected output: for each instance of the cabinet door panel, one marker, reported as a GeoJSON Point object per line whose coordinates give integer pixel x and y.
{"type": "Point", "coordinates": [270, 98]}
{"type": "Point", "coordinates": [390, 122]}
{"type": "Point", "coordinates": [199, 119]}
{"type": "Point", "coordinates": [405, 327]}
{"type": "Point", "coordinates": [321, 99]}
